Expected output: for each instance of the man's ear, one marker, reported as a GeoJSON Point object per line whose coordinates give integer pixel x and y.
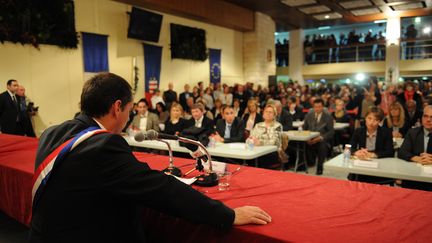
{"type": "Point", "coordinates": [116, 108]}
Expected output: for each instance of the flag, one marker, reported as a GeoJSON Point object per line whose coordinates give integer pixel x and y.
{"type": "Point", "coordinates": [152, 67]}
{"type": "Point", "coordinates": [215, 65]}
{"type": "Point", "coordinates": [95, 52]}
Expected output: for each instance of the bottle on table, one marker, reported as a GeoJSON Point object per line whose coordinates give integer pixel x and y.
{"type": "Point", "coordinates": [347, 154]}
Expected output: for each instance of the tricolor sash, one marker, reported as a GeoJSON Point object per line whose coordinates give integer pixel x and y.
{"type": "Point", "coordinates": [43, 172]}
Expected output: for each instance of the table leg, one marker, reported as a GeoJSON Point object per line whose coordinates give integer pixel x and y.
{"type": "Point", "coordinates": [304, 157]}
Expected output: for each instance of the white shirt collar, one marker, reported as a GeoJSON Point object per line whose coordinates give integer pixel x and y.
{"type": "Point", "coordinates": [10, 93]}
{"type": "Point", "coordinates": [99, 124]}
{"type": "Point", "coordinates": [371, 135]}
{"type": "Point", "coordinates": [200, 120]}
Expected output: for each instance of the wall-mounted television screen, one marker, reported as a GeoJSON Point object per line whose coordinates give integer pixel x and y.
{"type": "Point", "coordinates": [144, 25]}
{"type": "Point", "coordinates": [188, 43]}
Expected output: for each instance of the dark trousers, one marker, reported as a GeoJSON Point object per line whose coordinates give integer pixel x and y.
{"type": "Point", "coordinates": [417, 185]}
{"type": "Point", "coordinates": [318, 150]}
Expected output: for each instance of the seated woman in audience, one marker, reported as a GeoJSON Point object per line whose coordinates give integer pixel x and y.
{"type": "Point", "coordinates": [252, 117]}
{"type": "Point", "coordinates": [175, 124]}
{"type": "Point", "coordinates": [217, 110]}
{"type": "Point", "coordinates": [396, 121]}
{"type": "Point", "coordinates": [226, 97]}
{"type": "Point", "coordinates": [372, 141]}
{"type": "Point", "coordinates": [295, 110]}
{"type": "Point", "coordinates": [267, 132]}
{"type": "Point", "coordinates": [340, 114]}
{"type": "Point", "coordinates": [238, 111]}
{"type": "Point", "coordinates": [162, 112]}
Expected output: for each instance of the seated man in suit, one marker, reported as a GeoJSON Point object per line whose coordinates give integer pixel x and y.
{"type": "Point", "coordinates": [230, 129]}
{"type": "Point", "coordinates": [199, 120]}
{"type": "Point", "coordinates": [417, 147]}
{"type": "Point", "coordinates": [413, 114]}
{"type": "Point", "coordinates": [283, 117]}
{"type": "Point", "coordinates": [95, 193]}
{"type": "Point", "coordinates": [372, 141]}
{"type": "Point", "coordinates": [295, 110]}
{"type": "Point", "coordinates": [144, 120]}
{"type": "Point", "coordinates": [320, 121]}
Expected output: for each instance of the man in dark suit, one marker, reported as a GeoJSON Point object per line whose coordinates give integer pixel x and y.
{"type": "Point", "coordinates": [10, 119]}
{"type": "Point", "coordinates": [199, 120]}
{"type": "Point", "coordinates": [295, 110]}
{"type": "Point", "coordinates": [417, 147]}
{"type": "Point", "coordinates": [170, 96]}
{"type": "Point", "coordinates": [320, 121]}
{"type": "Point", "coordinates": [283, 117]}
{"type": "Point", "coordinates": [184, 96]}
{"type": "Point", "coordinates": [413, 113]}
{"type": "Point", "coordinates": [94, 193]}
{"type": "Point", "coordinates": [230, 129]}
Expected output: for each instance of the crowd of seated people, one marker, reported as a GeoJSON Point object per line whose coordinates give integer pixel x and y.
{"type": "Point", "coordinates": [236, 113]}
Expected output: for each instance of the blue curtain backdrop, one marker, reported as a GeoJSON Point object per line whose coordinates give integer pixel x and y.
{"type": "Point", "coordinates": [152, 67]}
{"type": "Point", "coordinates": [95, 48]}
{"type": "Point", "coordinates": [215, 65]}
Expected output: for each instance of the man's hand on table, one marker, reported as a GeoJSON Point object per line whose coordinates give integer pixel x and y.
{"type": "Point", "coordinates": [250, 215]}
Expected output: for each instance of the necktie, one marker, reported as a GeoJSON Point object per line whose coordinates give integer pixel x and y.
{"type": "Point", "coordinates": [227, 131]}
{"type": "Point", "coordinates": [14, 99]}
{"type": "Point", "coordinates": [429, 145]}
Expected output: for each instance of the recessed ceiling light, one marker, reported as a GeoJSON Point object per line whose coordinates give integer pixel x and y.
{"type": "Point", "coordinates": [327, 16]}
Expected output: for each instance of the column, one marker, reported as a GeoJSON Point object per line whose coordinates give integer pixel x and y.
{"type": "Point", "coordinates": [259, 51]}
{"type": "Point", "coordinates": [392, 49]}
{"type": "Point", "coordinates": [296, 56]}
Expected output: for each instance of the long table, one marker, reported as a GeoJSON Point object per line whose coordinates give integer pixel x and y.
{"type": "Point", "coordinates": [226, 150]}
{"type": "Point", "coordinates": [303, 208]}
{"type": "Point", "coordinates": [337, 126]}
{"type": "Point", "coordinates": [387, 167]}
{"type": "Point", "coordinates": [300, 137]}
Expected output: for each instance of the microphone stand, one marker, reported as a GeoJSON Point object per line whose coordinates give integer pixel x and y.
{"type": "Point", "coordinates": [171, 169]}
{"type": "Point", "coordinates": [209, 178]}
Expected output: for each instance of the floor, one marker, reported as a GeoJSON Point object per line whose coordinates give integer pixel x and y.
{"type": "Point", "coordinates": [13, 232]}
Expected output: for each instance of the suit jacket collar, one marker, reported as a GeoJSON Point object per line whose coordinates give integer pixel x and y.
{"type": "Point", "coordinates": [86, 120]}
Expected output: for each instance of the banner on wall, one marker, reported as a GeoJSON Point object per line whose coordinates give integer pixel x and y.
{"type": "Point", "coordinates": [215, 65]}
{"type": "Point", "coordinates": [152, 69]}
{"type": "Point", "coordinates": [95, 54]}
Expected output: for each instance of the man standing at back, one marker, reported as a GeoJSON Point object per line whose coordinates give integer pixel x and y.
{"type": "Point", "coordinates": [95, 189]}
{"type": "Point", "coordinates": [10, 122]}
{"type": "Point", "coordinates": [170, 96]}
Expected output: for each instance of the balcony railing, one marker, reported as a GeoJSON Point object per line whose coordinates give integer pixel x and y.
{"type": "Point", "coordinates": [416, 49]}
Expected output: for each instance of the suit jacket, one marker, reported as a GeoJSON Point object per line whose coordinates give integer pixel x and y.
{"type": "Point", "coordinates": [207, 124]}
{"type": "Point", "coordinates": [298, 115]}
{"type": "Point", "coordinates": [8, 113]}
{"type": "Point", "coordinates": [236, 132]}
{"type": "Point", "coordinates": [325, 126]}
{"type": "Point", "coordinates": [94, 194]}
{"type": "Point", "coordinates": [152, 121]}
{"type": "Point", "coordinates": [415, 118]}
{"type": "Point", "coordinates": [383, 144]}
{"type": "Point", "coordinates": [258, 118]}
{"type": "Point", "coordinates": [413, 144]}
{"type": "Point", "coordinates": [182, 99]}
{"type": "Point", "coordinates": [286, 119]}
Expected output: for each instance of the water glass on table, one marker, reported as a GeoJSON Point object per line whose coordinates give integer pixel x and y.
{"type": "Point", "coordinates": [224, 180]}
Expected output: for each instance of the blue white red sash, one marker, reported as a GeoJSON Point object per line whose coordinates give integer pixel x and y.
{"type": "Point", "coordinates": [43, 172]}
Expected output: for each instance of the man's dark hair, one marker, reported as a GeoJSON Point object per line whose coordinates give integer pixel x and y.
{"type": "Point", "coordinates": [9, 82]}
{"type": "Point", "coordinates": [144, 101]}
{"type": "Point", "coordinates": [377, 112]}
{"type": "Point", "coordinates": [102, 91]}
{"type": "Point", "coordinates": [319, 101]}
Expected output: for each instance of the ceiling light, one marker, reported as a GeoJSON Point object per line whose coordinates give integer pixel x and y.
{"type": "Point", "coordinates": [426, 30]}
{"type": "Point", "coordinates": [324, 28]}
{"type": "Point", "coordinates": [380, 21]}
{"type": "Point", "coordinates": [327, 16]}
{"type": "Point", "coordinates": [417, 20]}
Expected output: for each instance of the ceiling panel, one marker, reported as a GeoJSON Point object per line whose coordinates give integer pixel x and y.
{"type": "Point", "coordinates": [367, 11]}
{"type": "Point", "coordinates": [355, 4]}
{"type": "Point", "coordinates": [295, 3]}
{"type": "Point", "coordinates": [408, 6]}
{"type": "Point", "coordinates": [315, 9]}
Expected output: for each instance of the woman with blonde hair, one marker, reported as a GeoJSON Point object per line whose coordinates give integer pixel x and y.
{"type": "Point", "coordinates": [252, 116]}
{"type": "Point", "coordinates": [176, 123]}
{"type": "Point", "coordinates": [267, 132]}
{"type": "Point", "coordinates": [396, 121]}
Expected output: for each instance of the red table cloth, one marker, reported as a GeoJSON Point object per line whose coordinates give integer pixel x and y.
{"type": "Point", "coordinates": [304, 208]}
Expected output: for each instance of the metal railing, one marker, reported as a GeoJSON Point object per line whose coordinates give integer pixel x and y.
{"type": "Point", "coordinates": [416, 49]}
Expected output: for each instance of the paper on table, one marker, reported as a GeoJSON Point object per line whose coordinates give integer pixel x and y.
{"type": "Point", "coordinates": [366, 163]}
{"type": "Point", "coordinates": [187, 181]}
{"type": "Point", "coordinates": [427, 169]}
{"type": "Point", "coordinates": [217, 166]}
{"type": "Point", "coordinates": [237, 146]}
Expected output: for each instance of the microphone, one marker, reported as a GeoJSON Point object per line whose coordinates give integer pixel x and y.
{"type": "Point", "coordinates": [209, 178]}
{"type": "Point", "coordinates": [153, 135]}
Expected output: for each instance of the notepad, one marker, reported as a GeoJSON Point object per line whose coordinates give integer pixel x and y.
{"type": "Point", "coordinates": [366, 163]}
{"type": "Point", "coordinates": [187, 181]}
{"type": "Point", "coordinates": [216, 166]}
